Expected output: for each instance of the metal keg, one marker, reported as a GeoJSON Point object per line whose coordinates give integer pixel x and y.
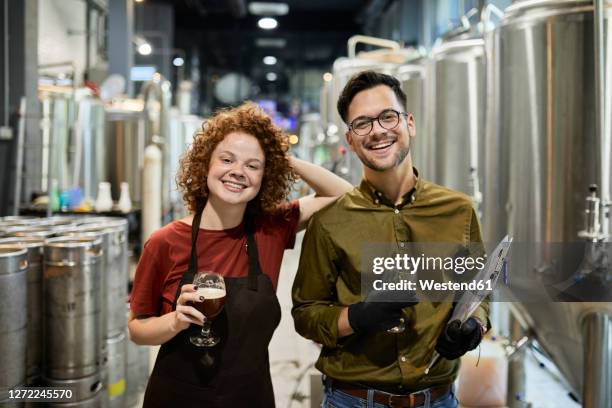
{"type": "Point", "coordinates": [42, 231]}
{"type": "Point", "coordinates": [13, 319]}
{"type": "Point", "coordinates": [137, 372]}
{"type": "Point", "coordinates": [115, 371]}
{"type": "Point", "coordinates": [114, 273]}
{"type": "Point", "coordinates": [72, 304]}
{"type": "Point", "coordinates": [34, 246]}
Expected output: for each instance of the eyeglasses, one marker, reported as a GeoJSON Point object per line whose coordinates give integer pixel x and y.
{"type": "Point", "coordinates": [387, 119]}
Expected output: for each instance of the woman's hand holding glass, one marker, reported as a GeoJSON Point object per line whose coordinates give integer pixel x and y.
{"type": "Point", "coordinates": [185, 314]}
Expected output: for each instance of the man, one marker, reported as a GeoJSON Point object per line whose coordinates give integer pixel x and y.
{"type": "Point", "coordinates": [362, 362]}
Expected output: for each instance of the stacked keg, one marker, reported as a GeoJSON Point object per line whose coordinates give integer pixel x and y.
{"type": "Point", "coordinates": [65, 325]}
{"type": "Point", "coordinates": [114, 280]}
{"type": "Point", "coordinates": [13, 301]}
{"type": "Point", "coordinates": [72, 321]}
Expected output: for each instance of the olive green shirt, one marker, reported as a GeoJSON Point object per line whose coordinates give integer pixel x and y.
{"type": "Point", "coordinates": [328, 279]}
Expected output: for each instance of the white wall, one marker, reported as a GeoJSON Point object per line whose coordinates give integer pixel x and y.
{"type": "Point", "coordinates": [55, 44]}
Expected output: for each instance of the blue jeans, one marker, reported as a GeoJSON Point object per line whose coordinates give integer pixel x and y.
{"type": "Point", "coordinates": [333, 398]}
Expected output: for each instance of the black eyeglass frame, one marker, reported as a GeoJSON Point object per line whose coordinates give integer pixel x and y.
{"type": "Point", "coordinates": [377, 118]}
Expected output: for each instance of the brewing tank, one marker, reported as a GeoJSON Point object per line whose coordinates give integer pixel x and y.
{"type": "Point", "coordinates": [546, 154]}
{"type": "Point", "coordinates": [13, 319]}
{"type": "Point", "coordinates": [458, 113]}
{"type": "Point", "coordinates": [412, 76]}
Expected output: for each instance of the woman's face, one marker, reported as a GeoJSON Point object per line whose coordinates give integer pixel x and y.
{"type": "Point", "coordinates": [236, 168]}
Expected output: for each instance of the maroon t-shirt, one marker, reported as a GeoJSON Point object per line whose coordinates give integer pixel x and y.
{"type": "Point", "coordinates": [166, 253]}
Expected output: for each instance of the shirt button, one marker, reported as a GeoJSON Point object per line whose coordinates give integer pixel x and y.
{"type": "Point", "coordinates": [376, 201]}
{"type": "Point", "coordinates": [412, 199]}
{"type": "Point", "coordinates": [396, 211]}
{"type": "Point", "coordinates": [402, 244]}
{"type": "Point", "coordinates": [403, 359]}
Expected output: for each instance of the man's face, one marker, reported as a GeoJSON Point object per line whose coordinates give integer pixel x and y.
{"type": "Point", "coordinates": [381, 149]}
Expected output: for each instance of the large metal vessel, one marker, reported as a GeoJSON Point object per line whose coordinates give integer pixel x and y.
{"type": "Point", "coordinates": [72, 303]}
{"type": "Point", "coordinates": [13, 319]}
{"type": "Point", "coordinates": [457, 107]}
{"type": "Point", "coordinates": [34, 246]}
{"type": "Point", "coordinates": [543, 158]}
{"type": "Point", "coordinates": [413, 76]}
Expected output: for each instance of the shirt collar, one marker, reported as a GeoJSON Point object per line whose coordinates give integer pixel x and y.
{"type": "Point", "coordinates": [377, 197]}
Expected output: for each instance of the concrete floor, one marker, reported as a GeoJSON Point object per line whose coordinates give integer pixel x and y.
{"type": "Point", "coordinates": [292, 357]}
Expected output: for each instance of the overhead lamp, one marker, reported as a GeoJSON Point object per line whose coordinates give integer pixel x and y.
{"type": "Point", "coordinates": [327, 77]}
{"type": "Point", "coordinates": [271, 76]}
{"type": "Point", "coordinates": [145, 49]}
{"type": "Point", "coordinates": [139, 1]}
{"type": "Point", "coordinates": [261, 8]}
{"type": "Point", "coordinates": [269, 60]}
{"type": "Point", "coordinates": [178, 62]}
{"type": "Point", "coordinates": [267, 23]}
{"type": "Point", "coordinates": [142, 45]}
{"type": "Point", "coordinates": [270, 42]}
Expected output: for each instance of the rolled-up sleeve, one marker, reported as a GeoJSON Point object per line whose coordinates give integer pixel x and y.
{"type": "Point", "coordinates": [482, 311]}
{"type": "Point", "coordinates": [315, 310]}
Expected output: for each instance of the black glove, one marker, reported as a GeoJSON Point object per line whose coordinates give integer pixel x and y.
{"type": "Point", "coordinates": [457, 339]}
{"type": "Point", "coordinates": [377, 312]}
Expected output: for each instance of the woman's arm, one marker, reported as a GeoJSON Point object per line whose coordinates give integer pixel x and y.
{"type": "Point", "coordinates": [156, 330]}
{"type": "Point", "coordinates": [327, 186]}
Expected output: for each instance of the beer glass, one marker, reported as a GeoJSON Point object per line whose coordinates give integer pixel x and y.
{"type": "Point", "coordinates": [212, 288]}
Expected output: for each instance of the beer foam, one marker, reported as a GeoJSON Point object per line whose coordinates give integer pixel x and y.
{"type": "Point", "coordinates": [211, 293]}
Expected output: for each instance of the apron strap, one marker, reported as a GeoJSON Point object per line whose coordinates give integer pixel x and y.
{"type": "Point", "coordinates": [192, 269]}
{"type": "Point", "coordinates": [254, 267]}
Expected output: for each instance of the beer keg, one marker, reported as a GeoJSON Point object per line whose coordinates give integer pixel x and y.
{"type": "Point", "coordinates": [115, 371]}
{"type": "Point", "coordinates": [137, 372]}
{"type": "Point", "coordinates": [72, 304]}
{"type": "Point", "coordinates": [114, 274]}
{"type": "Point", "coordinates": [34, 247]}
{"type": "Point", "coordinates": [13, 303]}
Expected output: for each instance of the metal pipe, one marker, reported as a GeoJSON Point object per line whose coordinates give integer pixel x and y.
{"type": "Point", "coordinates": [597, 366]}
{"type": "Point", "coordinates": [6, 65]}
{"type": "Point", "coordinates": [364, 39]}
{"type": "Point", "coordinates": [600, 108]}
{"type": "Point", "coordinates": [19, 158]}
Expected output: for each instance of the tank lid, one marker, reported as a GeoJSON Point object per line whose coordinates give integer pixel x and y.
{"type": "Point", "coordinates": [24, 242]}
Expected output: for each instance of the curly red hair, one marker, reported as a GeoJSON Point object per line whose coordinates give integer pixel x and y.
{"type": "Point", "coordinates": [249, 118]}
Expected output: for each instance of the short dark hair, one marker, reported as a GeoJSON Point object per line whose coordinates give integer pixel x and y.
{"type": "Point", "coordinates": [365, 80]}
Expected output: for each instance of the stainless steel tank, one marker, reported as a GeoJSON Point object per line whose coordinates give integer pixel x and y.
{"type": "Point", "coordinates": [544, 155]}
{"type": "Point", "coordinates": [72, 304]}
{"type": "Point", "coordinates": [115, 371]}
{"type": "Point", "coordinates": [413, 76]}
{"type": "Point", "coordinates": [458, 113]}
{"type": "Point", "coordinates": [13, 319]}
{"type": "Point", "coordinates": [34, 246]}
{"type": "Point", "coordinates": [125, 144]}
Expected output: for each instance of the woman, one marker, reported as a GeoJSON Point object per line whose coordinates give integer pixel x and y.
{"type": "Point", "coordinates": [234, 179]}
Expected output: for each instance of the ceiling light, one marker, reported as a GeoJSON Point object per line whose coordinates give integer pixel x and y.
{"type": "Point", "coordinates": [271, 76]}
{"type": "Point", "coordinates": [327, 77]}
{"type": "Point", "coordinates": [178, 62]}
{"type": "Point", "coordinates": [270, 42]}
{"type": "Point", "coordinates": [145, 49]}
{"type": "Point", "coordinates": [267, 23]}
{"type": "Point", "coordinates": [260, 8]}
{"type": "Point", "coordinates": [269, 60]}
{"type": "Point", "coordinates": [138, 1]}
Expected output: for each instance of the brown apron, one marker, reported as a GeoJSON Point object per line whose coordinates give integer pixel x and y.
{"type": "Point", "coordinates": [236, 372]}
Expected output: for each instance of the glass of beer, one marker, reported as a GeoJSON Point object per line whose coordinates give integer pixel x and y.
{"type": "Point", "coordinates": [212, 288]}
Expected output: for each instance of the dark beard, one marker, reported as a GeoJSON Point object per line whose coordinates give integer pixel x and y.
{"type": "Point", "coordinates": [401, 156]}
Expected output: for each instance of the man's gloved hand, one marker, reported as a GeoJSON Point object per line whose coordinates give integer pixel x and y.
{"type": "Point", "coordinates": [457, 339]}
{"type": "Point", "coordinates": [381, 310]}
